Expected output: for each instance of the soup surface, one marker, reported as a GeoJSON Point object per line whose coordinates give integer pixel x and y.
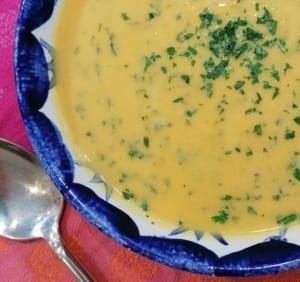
{"type": "Point", "coordinates": [189, 109]}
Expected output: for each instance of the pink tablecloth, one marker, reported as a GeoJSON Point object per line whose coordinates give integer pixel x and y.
{"type": "Point", "coordinates": [104, 259]}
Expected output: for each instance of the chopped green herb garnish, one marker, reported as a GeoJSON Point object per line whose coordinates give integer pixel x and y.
{"type": "Point", "coordinates": [287, 219]}
{"type": "Point", "coordinates": [257, 7]}
{"type": "Point", "coordinates": [213, 71]}
{"type": "Point", "coordinates": [125, 17]}
{"type": "Point", "coordinates": [268, 20]}
{"type": "Point", "coordinates": [123, 178]}
{"type": "Point", "coordinates": [150, 60]}
{"type": "Point", "coordinates": [276, 197]}
{"type": "Point", "coordinates": [153, 14]}
{"type": "Point", "coordinates": [276, 92]}
{"type": "Point", "coordinates": [287, 67]}
{"type": "Point", "coordinates": [249, 153]}
{"type": "Point", "coordinates": [171, 51]}
{"type": "Point", "coordinates": [192, 50]}
{"type": "Point", "coordinates": [227, 198]}
{"type": "Point", "coordinates": [258, 98]}
{"type": "Point", "coordinates": [275, 73]}
{"type": "Point", "coordinates": [270, 43]}
{"type": "Point", "coordinates": [206, 18]}
{"type": "Point", "coordinates": [282, 45]}
{"type": "Point", "coordinates": [239, 50]}
{"type": "Point", "coordinates": [267, 85]}
{"type": "Point", "coordinates": [127, 195]}
{"type": "Point", "coordinates": [239, 84]}
{"type": "Point", "coordinates": [250, 111]}
{"type": "Point", "coordinates": [258, 129]}
{"type": "Point", "coordinates": [221, 217]}
{"type": "Point", "coordinates": [135, 154]}
{"type": "Point", "coordinates": [190, 113]}
{"type": "Point", "coordinates": [112, 43]}
{"type": "Point", "coordinates": [178, 100]}
{"type": "Point", "coordinates": [252, 34]}
{"type": "Point", "coordinates": [297, 120]}
{"type": "Point", "coordinates": [296, 173]}
{"type": "Point", "coordinates": [164, 69]}
{"type": "Point", "coordinates": [251, 210]}
{"type": "Point", "coordinates": [289, 134]}
{"type": "Point", "coordinates": [144, 206]}
{"type": "Point", "coordinates": [186, 78]}
{"type": "Point", "coordinates": [208, 88]}
{"type": "Point", "coordinates": [255, 70]}
{"type": "Point", "coordinates": [260, 52]}
{"type": "Point", "coordinates": [184, 36]}
{"type": "Point", "coordinates": [146, 141]}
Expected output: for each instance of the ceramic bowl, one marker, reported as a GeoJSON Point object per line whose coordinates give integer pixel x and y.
{"type": "Point", "coordinates": [189, 250]}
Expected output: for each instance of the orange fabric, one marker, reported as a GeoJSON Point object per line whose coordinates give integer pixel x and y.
{"type": "Point", "coordinates": [104, 259]}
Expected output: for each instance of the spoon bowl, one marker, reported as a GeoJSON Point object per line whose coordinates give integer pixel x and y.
{"type": "Point", "coordinates": [30, 204]}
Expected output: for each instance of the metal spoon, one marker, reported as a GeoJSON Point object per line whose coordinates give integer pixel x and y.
{"type": "Point", "coordinates": [30, 204]}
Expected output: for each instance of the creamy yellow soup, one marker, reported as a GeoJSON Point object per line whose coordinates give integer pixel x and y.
{"type": "Point", "coordinates": [189, 109]}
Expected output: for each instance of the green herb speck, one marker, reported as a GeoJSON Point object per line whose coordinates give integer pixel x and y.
{"type": "Point", "coordinates": [239, 84]}
{"type": "Point", "coordinates": [186, 78]}
{"type": "Point", "coordinates": [287, 219]}
{"type": "Point", "coordinates": [125, 16]}
{"type": "Point", "coordinates": [127, 195]}
{"type": "Point", "coordinates": [146, 141]}
{"type": "Point", "coordinates": [258, 129]}
{"type": "Point", "coordinates": [221, 217]}
{"type": "Point", "coordinates": [171, 51]}
{"type": "Point", "coordinates": [296, 173]}
{"type": "Point", "coordinates": [297, 120]}
{"type": "Point", "coordinates": [144, 206]}
{"type": "Point", "coordinates": [289, 134]}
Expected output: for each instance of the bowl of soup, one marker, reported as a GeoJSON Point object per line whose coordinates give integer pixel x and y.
{"type": "Point", "coordinates": [172, 126]}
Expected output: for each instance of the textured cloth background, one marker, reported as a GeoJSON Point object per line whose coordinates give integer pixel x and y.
{"type": "Point", "coordinates": [104, 259]}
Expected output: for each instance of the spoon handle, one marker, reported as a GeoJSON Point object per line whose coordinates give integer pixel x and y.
{"type": "Point", "coordinates": [55, 243]}
{"type": "Point", "coordinates": [74, 267]}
